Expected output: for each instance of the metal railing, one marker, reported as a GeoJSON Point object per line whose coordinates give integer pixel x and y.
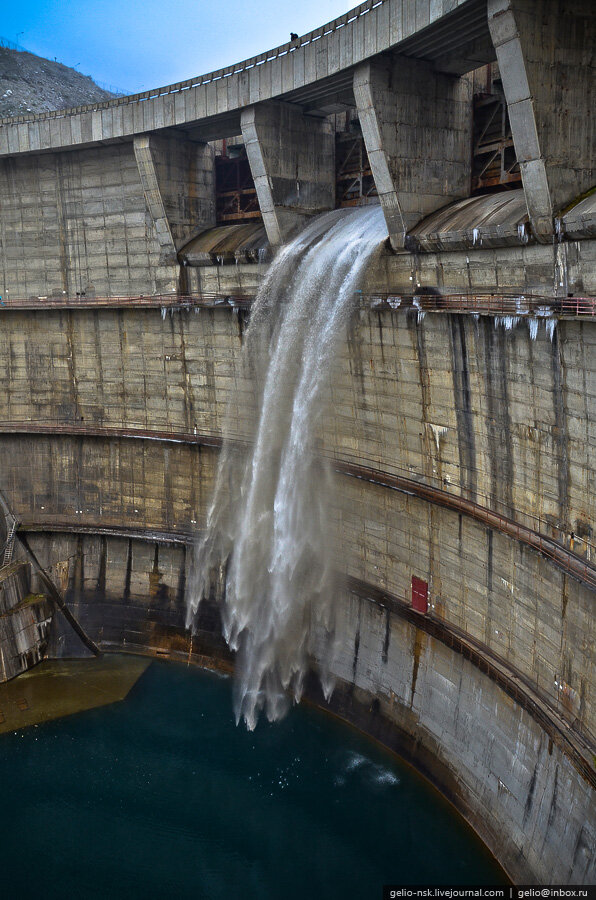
{"type": "Point", "coordinates": [503, 512]}
{"type": "Point", "coordinates": [519, 305]}
{"type": "Point", "coordinates": [171, 300]}
{"type": "Point", "coordinates": [210, 77]}
{"type": "Point", "coordinates": [514, 306]}
{"type": "Point", "coordinates": [11, 45]}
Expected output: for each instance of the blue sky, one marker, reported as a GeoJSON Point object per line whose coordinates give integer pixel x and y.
{"type": "Point", "coordinates": [138, 45]}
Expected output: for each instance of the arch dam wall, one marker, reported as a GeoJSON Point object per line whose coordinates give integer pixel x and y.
{"type": "Point", "coordinates": [460, 421]}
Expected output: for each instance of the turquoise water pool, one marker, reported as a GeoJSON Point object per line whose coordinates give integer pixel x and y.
{"type": "Point", "coordinates": [161, 795]}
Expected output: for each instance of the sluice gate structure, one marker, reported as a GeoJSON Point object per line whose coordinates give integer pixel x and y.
{"type": "Point", "coordinates": [462, 413]}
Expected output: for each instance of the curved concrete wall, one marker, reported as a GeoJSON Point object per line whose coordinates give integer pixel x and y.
{"type": "Point", "coordinates": [456, 402]}
{"type": "Point", "coordinates": [461, 729]}
{"type": "Point", "coordinates": [512, 777]}
{"type": "Point", "coordinates": [462, 443]}
{"type": "Point", "coordinates": [512, 600]}
{"type": "Point", "coordinates": [460, 405]}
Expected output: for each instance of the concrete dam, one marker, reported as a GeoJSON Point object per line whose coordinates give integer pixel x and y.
{"type": "Point", "coordinates": [458, 418]}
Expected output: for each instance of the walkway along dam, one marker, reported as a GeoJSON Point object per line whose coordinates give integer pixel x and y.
{"type": "Point", "coordinates": [460, 423]}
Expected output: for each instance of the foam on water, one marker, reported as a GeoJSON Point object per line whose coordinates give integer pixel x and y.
{"type": "Point", "coordinates": [267, 538]}
{"type": "Point", "coordinates": [355, 761]}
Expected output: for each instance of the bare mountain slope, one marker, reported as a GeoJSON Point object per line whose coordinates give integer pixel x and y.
{"type": "Point", "coordinates": [30, 83]}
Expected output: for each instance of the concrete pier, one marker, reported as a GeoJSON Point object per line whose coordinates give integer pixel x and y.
{"type": "Point", "coordinates": [417, 127]}
{"type": "Point", "coordinates": [292, 159]}
{"type": "Point", "coordinates": [546, 57]}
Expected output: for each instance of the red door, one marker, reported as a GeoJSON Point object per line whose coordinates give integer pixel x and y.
{"type": "Point", "coordinates": [419, 594]}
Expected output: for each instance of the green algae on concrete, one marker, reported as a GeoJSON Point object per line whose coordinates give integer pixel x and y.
{"type": "Point", "coordinates": [57, 688]}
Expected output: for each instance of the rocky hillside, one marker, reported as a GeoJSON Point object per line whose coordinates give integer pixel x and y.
{"type": "Point", "coordinates": [30, 83]}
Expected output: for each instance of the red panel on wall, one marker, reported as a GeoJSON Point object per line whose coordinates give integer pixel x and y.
{"type": "Point", "coordinates": [419, 594]}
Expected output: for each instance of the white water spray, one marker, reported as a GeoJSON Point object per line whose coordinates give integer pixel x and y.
{"type": "Point", "coordinates": [267, 536]}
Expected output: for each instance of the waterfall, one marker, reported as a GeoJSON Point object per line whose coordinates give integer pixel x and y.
{"type": "Point", "coordinates": [267, 540]}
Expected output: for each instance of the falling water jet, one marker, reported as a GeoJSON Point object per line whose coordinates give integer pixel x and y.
{"type": "Point", "coordinates": [267, 536]}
